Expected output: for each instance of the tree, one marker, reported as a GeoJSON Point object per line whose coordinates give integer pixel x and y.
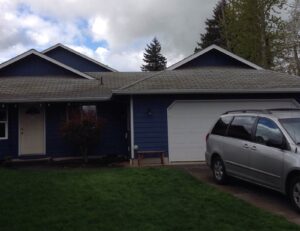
{"type": "Point", "coordinates": [214, 28]}
{"type": "Point", "coordinates": [289, 60]}
{"type": "Point", "coordinates": [253, 29]}
{"type": "Point", "coordinates": [153, 59]}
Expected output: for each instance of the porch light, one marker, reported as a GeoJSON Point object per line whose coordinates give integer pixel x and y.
{"type": "Point", "coordinates": [149, 112]}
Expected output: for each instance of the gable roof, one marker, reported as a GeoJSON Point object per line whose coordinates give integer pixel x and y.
{"type": "Point", "coordinates": [214, 47]}
{"type": "Point", "coordinates": [213, 80]}
{"type": "Point", "coordinates": [59, 45]}
{"type": "Point", "coordinates": [44, 57]}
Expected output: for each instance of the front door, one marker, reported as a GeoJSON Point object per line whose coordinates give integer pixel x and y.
{"type": "Point", "coordinates": [31, 129]}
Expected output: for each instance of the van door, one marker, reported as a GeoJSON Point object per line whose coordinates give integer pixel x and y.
{"type": "Point", "coordinates": [266, 159]}
{"type": "Point", "coordinates": [237, 145]}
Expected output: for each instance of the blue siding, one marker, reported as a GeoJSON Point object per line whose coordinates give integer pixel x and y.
{"type": "Point", "coordinates": [213, 58]}
{"type": "Point", "coordinates": [151, 131]}
{"type": "Point", "coordinates": [9, 147]}
{"type": "Point", "coordinates": [75, 61]}
{"type": "Point", "coordinates": [33, 65]}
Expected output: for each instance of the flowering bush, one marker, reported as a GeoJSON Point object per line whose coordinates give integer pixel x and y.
{"type": "Point", "coordinates": [83, 132]}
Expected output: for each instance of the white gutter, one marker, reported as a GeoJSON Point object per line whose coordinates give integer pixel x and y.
{"type": "Point", "coordinates": [131, 131]}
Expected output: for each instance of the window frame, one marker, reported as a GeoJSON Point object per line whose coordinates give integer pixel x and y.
{"type": "Point", "coordinates": [253, 129]}
{"type": "Point", "coordinates": [6, 124]}
{"type": "Point", "coordinates": [284, 138]}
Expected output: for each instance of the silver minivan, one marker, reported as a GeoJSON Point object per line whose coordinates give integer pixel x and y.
{"type": "Point", "coordinates": [259, 146]}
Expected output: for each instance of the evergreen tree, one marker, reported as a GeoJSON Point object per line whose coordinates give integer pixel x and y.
{"type": "Point", "coordinates": [253, 29]}
{"type": "Point", "coordinates": [213, 34]}
{"type": "Point", "coordinates": [153, 59]}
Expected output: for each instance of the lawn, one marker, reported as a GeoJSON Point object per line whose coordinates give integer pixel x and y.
{"type": "Point", "coordinates": [122, 199]}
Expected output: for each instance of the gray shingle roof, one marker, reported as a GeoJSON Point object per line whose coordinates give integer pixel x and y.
{"type": "Point", "coordinates": [115, 80]}
{"type": "Point", "coordinates": [214, 80]}
{"type": "Point", "coordinates": [49, 89]}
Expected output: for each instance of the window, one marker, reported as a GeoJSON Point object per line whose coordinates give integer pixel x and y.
{"type": "Point", "coordinates": [241, 127]}
{"type": "Point", "coordinates": [268, 133]}
{"type": "Point", "coordinates": [3, 124]}
{"type": "Point", "coordinates": [79, 112]}
{"type": "Point", "coordinates": [292, 126]}
{"type": "Point", "coordinates": [221, 126]}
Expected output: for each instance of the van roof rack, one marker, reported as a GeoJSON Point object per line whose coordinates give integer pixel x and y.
{"type": "Point", "coordinates": [263, 111]}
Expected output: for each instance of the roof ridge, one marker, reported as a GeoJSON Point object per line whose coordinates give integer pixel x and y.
{"type": "Point", "coordinates": [140, 80]}
{"type": "Point", "coordinates": [79, 54]}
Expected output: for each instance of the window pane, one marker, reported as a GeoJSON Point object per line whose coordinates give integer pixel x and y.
{"type": "Point", "coordinates": [89, 111]}
{"type": "Point", "coordinates": [221, 126]}
{"type": "Point", "coordinates": [268, 133]}
{"type": "Point", "coordinates": [2, 130]}
{"type": "Point", "coordinates": [241, 127]}
{"type": "Point", "coordinates": [73, 113]}
{"type": "Point", "coordinates": [292, 126]}
{"type": "Point", "coordinates": [3, 115]}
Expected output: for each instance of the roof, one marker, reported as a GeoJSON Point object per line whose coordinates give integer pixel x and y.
{"type": "Point", "coordinates": [213, 80]}
{"type": "Point", "coordinates": [79, 54]}
{"type": "Point", "coordinates": [115, 80]}
{"type": "Point", "coordinates": [214, 47]}
{"type": "Point", "coordinates": [50, 89]}
{"type": "Point", "coordinates": [42, 56]}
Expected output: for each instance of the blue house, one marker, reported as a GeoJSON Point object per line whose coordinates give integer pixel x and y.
{"type": "Point", "coordinates": [169, 111]}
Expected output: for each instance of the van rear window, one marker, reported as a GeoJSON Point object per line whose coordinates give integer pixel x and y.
{"type": "Point", "coordinates": [221, 126]}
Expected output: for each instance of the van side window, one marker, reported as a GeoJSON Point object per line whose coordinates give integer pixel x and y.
{"type": "Point", "coordinates": [268, 133]}
{"type": "Point", "coordinates": [241, 127]}
{"type": "Point", "coordinates": [221, 126]}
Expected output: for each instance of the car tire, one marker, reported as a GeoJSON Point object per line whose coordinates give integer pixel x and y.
{"type": "Point", "coordinates": [294, 192]}
{"type": "Point", "coordinates": [219, 171]}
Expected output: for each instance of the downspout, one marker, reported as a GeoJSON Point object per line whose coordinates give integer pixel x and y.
{"type": "Point", "coordinates": [131, 131]}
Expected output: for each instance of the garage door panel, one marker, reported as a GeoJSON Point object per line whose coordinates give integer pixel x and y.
{"type": "Point", "coordinates": [190, 121]}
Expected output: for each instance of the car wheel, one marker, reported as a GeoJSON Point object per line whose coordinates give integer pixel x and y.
{"type": "Point", "coordinates": [219, 171]}
{"type": "Point", "coordinates": [294, 192]}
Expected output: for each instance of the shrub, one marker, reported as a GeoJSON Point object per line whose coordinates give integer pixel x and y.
{"type": "Point", "coordinates": [83, 133]}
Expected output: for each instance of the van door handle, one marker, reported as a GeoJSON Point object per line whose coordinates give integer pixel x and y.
{"type": "Point", "coordinates": [246, 146]}
{"type": "Point", "coordinates": [253, 148]}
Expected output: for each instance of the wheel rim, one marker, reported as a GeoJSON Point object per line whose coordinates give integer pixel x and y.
{"type": "Point", "coordinates": [296, 194]}
{"type": "Point", "coordinates": [219, 170]}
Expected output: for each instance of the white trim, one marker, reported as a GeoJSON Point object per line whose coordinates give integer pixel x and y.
{"type": "Point", "coordinates": [6, 124]}
{"type": "Point", "coordinates": [34, 52]}
{"type": "Point", "coordinates": [19, 143]}
{"type": "Point", "coordinates": [207, 49]}
{"type": "Point", "coordinates": [131, 129]}
{"type": "Point", "coordinates": [79, 54]}
{"type": "Point", "coordinates": [297, 105]}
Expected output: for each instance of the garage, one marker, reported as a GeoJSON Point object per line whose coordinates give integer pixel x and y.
{"type": "Point", "coordinates": [189, 122]}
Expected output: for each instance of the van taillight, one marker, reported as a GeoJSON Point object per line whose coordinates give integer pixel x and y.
{"type": "Point", "coordinates": [206, 138]}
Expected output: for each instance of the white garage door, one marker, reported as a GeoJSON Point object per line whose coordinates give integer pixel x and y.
{"type": "Point", "coordinates": [189, 122]}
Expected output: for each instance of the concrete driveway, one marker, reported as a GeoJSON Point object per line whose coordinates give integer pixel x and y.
{"type": "Point", "coordinates": [256, 195]}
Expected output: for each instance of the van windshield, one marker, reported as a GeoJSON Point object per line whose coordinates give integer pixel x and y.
{"type": "Point", "coordinates": [292, 126]}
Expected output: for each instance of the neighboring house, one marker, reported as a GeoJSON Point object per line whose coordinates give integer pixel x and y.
{"type": "Point", "coordinates": [168, 111]}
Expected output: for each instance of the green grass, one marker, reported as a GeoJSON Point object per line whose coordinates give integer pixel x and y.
{"type": "Point", "coordinates": [122, 199]}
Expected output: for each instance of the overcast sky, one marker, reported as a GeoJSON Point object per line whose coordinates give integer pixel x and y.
{"type": "Point", "coordinates": [114, 32]}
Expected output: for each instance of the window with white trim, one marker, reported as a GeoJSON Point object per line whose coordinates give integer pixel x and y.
{"type": "Point", "coordinates": [3, 124]}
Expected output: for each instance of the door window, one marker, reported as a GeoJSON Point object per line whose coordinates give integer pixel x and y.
{"type": "Point", "coordinates": [221, 126]}
{"type": "Point", "coordinates": [268, 133]}
{"type": "Point", "coordinates": [241, 127]}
